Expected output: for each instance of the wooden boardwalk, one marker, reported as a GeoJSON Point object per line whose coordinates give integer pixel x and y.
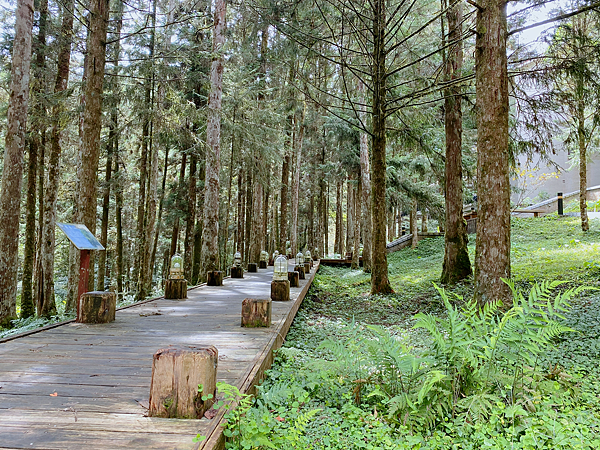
{"type": "Point", "coordinates": [87, 386]}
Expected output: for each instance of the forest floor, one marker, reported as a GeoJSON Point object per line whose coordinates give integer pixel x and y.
{"type": "Point", "coordinates": [338, 382]}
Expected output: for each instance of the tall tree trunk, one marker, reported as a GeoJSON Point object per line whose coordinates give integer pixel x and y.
{"type": "Point", "coordinates": [36, 140]}
{"type": "Point", "coordinates": [91, 125]}
{"type": "Point", "coordinates": [298, 141]}
{"type": "Point", "coordinates": [197, 263]}
{"type": "Point", "coordinates": [12, 177]}
{"type": "Point", "coordinates": [321, 208]}
{"type": "Point", "coordinates": [225, 234]}
{"type": "Point", "coordinates": [380, 283]}
{"type": "Point", "coordinates": [248, 215]}
{"type": "Point", "coordinates": [175, 234]}
{"type": "Point", "coordinates": [210, 247]}
{"type": "Point", "coordinates": [339, 222]}
{"type": "Point", "coordinates": [456, 264]}
{"type": "Point", "coordinates": [45, 298]}
{"type": "Point", "coordinates": [149, 220]}
{"type": "Point", "coordinates": [257, 223]}
{"type": "Point", "coordinates": [191, 219]}
{"type": "Point", "coordinates": [367, 223]}
{"type": "Point", "coordinates": [283, 215]}
{"type": "Point", "coordinates": [27, 303]}
{"type": "Point", "coordinates": [582, 142]}
{"type": "Point", "coordinates": [239, 236]}
{"type": "Point", "coordinates": [492, 245]}
{"type": "Point", "coordinates": [104, 223]}
{"type": "Point", "coordinates": [349, 216]}
{"type": "Point", "coordinates": [356, 227]}
{"type": "Point", "coordinates": [160, 208]}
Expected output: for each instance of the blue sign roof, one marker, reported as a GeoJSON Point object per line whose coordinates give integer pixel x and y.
{"type": "Point", "coordinates": [80, 236]}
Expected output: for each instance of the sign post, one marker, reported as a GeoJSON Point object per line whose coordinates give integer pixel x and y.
{"type": "Point", "coordinates": [84, 241]}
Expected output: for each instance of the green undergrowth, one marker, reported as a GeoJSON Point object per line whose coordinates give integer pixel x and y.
{"type": "Point", "coordinates": [414, 370]}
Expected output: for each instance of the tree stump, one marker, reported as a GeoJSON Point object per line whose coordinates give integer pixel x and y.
{"type": "Point", "coordinates": [262, 264]}
{"type": "Point", "coordinates": [293, 278]}
{"type": "Point", "coordinates": [237, 272]}
{"type": "Point", "coordinates": [300, 270]}
{"type": "Point", "coordinates": [214, 278]}
{"type": "Point", "coordinates": [176, 289]}
{"type": "Point", "coordinates": [97, 307]}
{"type": "Point", "coordinates": [306, 267]}
{"type": "Point", "coordinates": [256, 312]}
{"type": "Point", "coordinates": [280, 290]}
{"type": "Point", "coordinates": [252, 267]}
{"type": "Point", "coordinates": [176, 374]}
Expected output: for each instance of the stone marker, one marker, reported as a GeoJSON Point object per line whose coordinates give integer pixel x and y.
{"type": "Point", "coordinates": [262, 264]}
{"type": "Point", "coordinates": [294, 279]}
{"type": "Point", "coordinates": [252, 267]}
{"type": "Point", "coordinates": [176, 289]}
{"type": "Point", "coordinates": [97, 307]}
{"type": "Point", "coordinates": [280, 290]}
{"type": "Point", "coordinates": [256, 312]}
{"type": "Point", "coordinates": [306, 267]}
{"type": "Point", "coordinates": [300, 270]}
{"type": "Point", "coordinates": [176, 374]}
{"type": "Point", "coordinates": [214, 278]}
{"type": "Point", "coordinates": [237, 272]}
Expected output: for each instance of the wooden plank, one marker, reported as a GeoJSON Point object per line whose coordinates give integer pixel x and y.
{"type": "Point", "coordinates": [101, 373]}
{"type": "Point", "coordinates": [99, 421]}
{"type": "Point", "coordinates": [60, 439]}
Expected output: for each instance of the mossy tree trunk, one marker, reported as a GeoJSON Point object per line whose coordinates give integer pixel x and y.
{"type": "Point", "coordinates": [12, 177]}
{"type": "Point", "coordinates": [492, 249]}
{"type": "Point", "coordinates": [456, 264]}
{"type": "Point", "coordinates": [210, 235]}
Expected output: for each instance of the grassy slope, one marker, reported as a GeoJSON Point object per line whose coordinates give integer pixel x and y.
{"type": "Point", "coordinates": [547, 248]}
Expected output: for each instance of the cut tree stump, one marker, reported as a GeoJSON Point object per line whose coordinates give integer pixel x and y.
{"type": "Point", "coordinates": [306, 267]}
{"type": "Point", "coordinates": [262, 264]}
{"type": "Point", "coordinates": [177, 373]}
{"type": "Point", "coordinates": [256, 312]}
{"type": "Point", "coordinates": [237, 272]}
{"type": "Point", "coordinates": [300, 270]}
{"type": "Point", "coordinates": [97, 307]}
{"type": "Point", "coordinates": [252, 267]}
{"type": "Point", "coordinates": [176, 289]}
{"type": "Point", "coordinates": [294, 278]}
{"type": "Point", "coordinates": [280, 290]}
{"type": "Point", "coordinates": [214, 278]}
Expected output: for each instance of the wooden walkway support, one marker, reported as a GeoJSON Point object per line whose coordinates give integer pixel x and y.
{"type": "Point", "coordinates": [81, 386]}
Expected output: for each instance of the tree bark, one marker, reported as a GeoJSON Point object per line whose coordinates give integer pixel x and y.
{"type": "Point", "coordinates": [12, 177]}
{"type": "Point", "coordinates": [191, 219]}
{"type": "Point", "coordinates": [492, 248]}
{"type": "Point", "coordinates": [339, 222]}
{"type": "Point", "coordinates": [379, 272]}
{"type": "Point", "coordinates": [582, 141]}
{"type": "Point", "coordinates": [456, 264]}
{"type": "Point", "coordinates": [356, 219]}
{"type": "Point", "coordinates": [257, 223]}
{"type": "Point", "coordinates": [210, 247]}
{"type": "Point", "coordinates": [283, 216]}
{"type": "Point", "coordinates": [367, 223]}
{"type": "Point", "coordinates": [298, 140]}
{"type": "Point", "coordinates": [38, 121]}
{"type": "Point", "coordinates": [91, 125]}
{"type": "Point", "coordinates": [175, 234]}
